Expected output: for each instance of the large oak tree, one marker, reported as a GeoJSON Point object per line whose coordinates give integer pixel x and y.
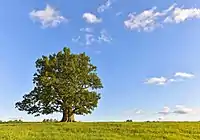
{"type": "Point", "coordinates": [65, 83]}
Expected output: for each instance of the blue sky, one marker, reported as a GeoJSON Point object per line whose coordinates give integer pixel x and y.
{"type": "Point", "coordinates": [147, 53]}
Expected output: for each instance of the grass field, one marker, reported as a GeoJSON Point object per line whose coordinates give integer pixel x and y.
{"type": "Point", "coordinates": [101, 131]}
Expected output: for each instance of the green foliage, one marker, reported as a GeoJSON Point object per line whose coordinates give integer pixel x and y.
{"type": "Point", "coordinates": [14, 121]}
{"type": "Point", "coordinates": [129, 120]}
{"type": "Point", "coordinates": [50, 120]}
{"type": "Point", "coordinates": [101, 131]}
{"type": "Point", "coordinates": [64, 82]}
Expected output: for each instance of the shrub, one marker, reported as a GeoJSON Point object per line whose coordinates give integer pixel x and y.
{"type": "Point", "coordinates": [129, 121]}
{"type": "Point", "coordinates": [50, 120]}
{"type": "Point", "coordinates": [15, 121]}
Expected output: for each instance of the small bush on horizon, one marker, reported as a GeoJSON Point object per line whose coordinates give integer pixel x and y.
{"type": "Point", "coordinates": [14, 121]}
{"type": "Point", "coordinates": [129, 120]}
{"type": "Point", "coordinates": [50, 120]}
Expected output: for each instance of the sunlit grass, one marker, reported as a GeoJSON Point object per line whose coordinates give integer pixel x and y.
{"type": "Point", "coordinates": [101, 131]}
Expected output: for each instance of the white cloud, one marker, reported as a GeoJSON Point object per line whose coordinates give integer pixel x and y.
{"type": "Point", "coordinates": [171, 8]}
{"type": "Point", "coordinates": [143, 21]}
{"type": "Point", "coordinates": [183, 75]}
{"type": "Point", "coordinates": [90, 38]}
{"type": "Point", "coordinates": [150, 19]}
{"type": "Point", "coordinates": [89, 30]}
{"type": "Point", "coordinates": [118, 14]}
{"type": "Point", "coordinates": [104, 36]}
{"type": "Point", "coordinates": [147, 20]}
{"type": "Point", "coordinates": [105, 6]}
{"type": "Point", "coordinates": [139, 111]}
{"type": "Point", "coordinates": [91, 18]}
{"type": "Point", "coordinates": [165, 111]}
{"type": "Point", "coordinates": [48, 17]}
{"type": "Point", "coordinates": [157, 80]}
{"type": "Point", "coordinates": [77, 39]}
{"type": "Point", "coordinates": [133, 112]}
{"type": "Point", "coordinates": [172, 80]}
{"type": "Point", "coordinates": [180, 109]}
{"type": "Point", "coordinates": [181, 15]}
{"type": "Point", "coordinates": [177, 77]}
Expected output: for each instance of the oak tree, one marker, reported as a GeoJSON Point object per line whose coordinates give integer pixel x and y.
{"type": "Point", "coordinates": [64, 82]}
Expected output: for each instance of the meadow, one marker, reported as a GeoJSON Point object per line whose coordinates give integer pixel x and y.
{"type": "Point", "coordinates": [101, 131]}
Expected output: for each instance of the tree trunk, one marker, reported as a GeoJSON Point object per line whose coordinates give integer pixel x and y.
{"type": "Point", "coordinates": [71, 118]}
{"type": "Point", "coordinates": [67, 116]}
{"type": "Point", "coordinates": [64, 118]}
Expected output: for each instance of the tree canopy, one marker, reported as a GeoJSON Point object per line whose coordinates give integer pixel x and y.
{"type": "Point", "coordinates": [64, 82]}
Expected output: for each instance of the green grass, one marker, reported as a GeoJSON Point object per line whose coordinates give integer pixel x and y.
{"type": "Point", "coordinates": [101, 131]}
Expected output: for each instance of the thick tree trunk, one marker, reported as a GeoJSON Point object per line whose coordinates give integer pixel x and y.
{"type": "Point", "coordinates": [67, 116]}
{"type": "Point", "coordinates": [64, 118]}
{"type": "Point", "coordinates": [71, 118]}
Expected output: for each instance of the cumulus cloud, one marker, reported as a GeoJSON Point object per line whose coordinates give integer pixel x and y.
{"type": "Point", "coordinates": [91, 18]}
{"type": "Point", "coordinates": [150, 19]}
{"type": "Point", "coordinates": [177, 77]}
{"type": "Point", "coordinates": [49, 17]}
{"type": "Point", "coordinates": [157, 80]}
{"type": "Point", "coordinates": [165, 111]}
{"type": "Point", "coordinates": [183, 75]}
{"type": "Point", "coordinates": [144, 21]}
{"type": "Point", "coordinates": [180, 109]}
{"type": "Point", "coordinates": [181, 15]}
{"type": "Point", "coordinates": [147, 20]}
{"type": "Point", "coordinates": [105, 6]}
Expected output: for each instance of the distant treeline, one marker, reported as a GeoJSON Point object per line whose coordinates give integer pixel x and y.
{"type": "Point", "coordinates": [20, 121]}
{"type": "Point", "coordinates": [50, 120]}
{"type": "Point", "coordinates": [12, 121]}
